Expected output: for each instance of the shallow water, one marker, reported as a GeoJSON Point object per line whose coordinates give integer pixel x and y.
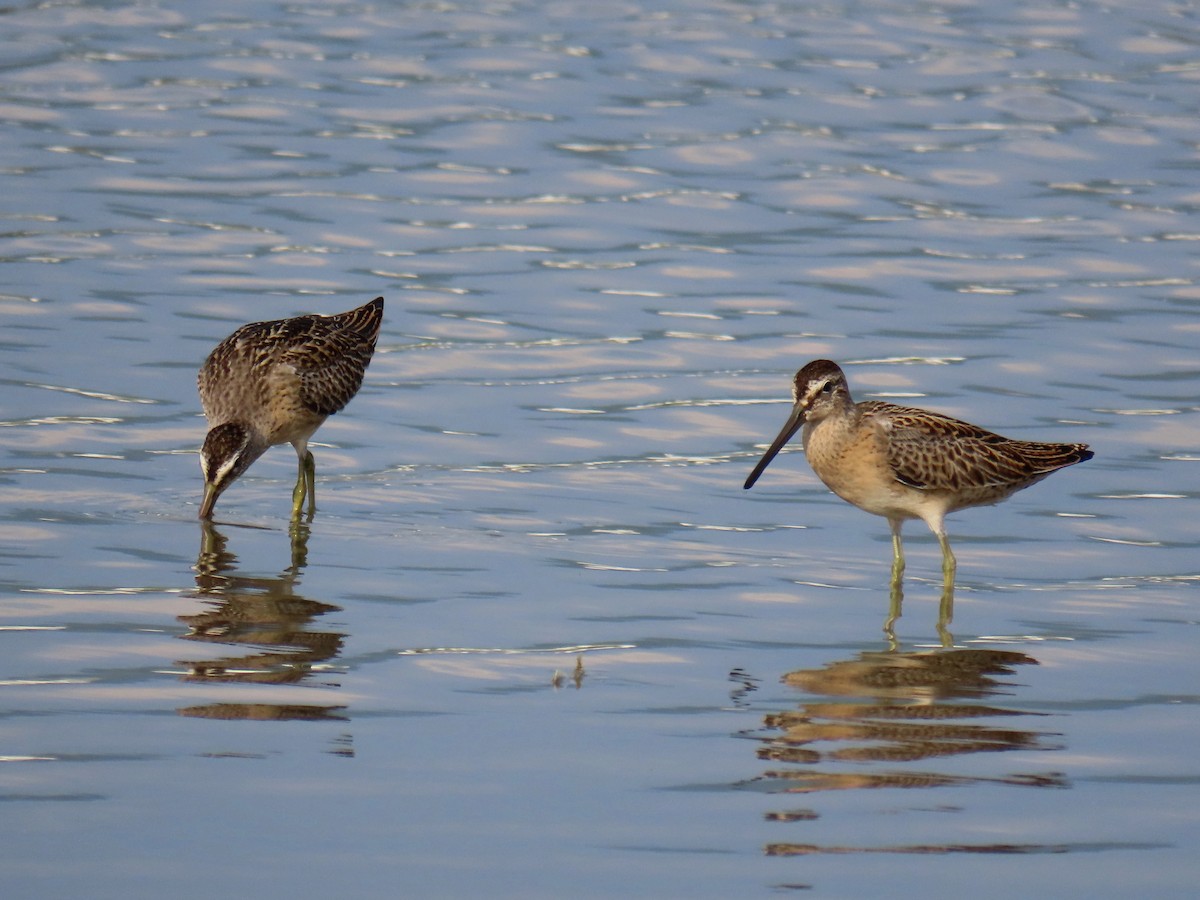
{"type": "Point", "coordinates": [538, 641]}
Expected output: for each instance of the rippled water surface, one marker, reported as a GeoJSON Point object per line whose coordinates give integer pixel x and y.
{"type": "Point", "coordinates": [538, 642]}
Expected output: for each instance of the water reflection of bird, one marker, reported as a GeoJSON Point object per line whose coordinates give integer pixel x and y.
{"type": "Point", "coordinates": [266, 624]}
{"type": "Point", "coordinates": [274, 383]}
{"type": "Point", "coordinates": [905, 463]}
{"type": "Point", "coordinates": [877, 714]}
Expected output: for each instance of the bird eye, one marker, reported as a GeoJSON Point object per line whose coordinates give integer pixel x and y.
{"type": "Point", "coordinates": [827, 388]}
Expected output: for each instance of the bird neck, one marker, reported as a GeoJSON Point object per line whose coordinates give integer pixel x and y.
{"type": "Point", "coordinates": [833, 428]}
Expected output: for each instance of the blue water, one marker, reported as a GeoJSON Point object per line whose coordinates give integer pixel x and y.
{"type": "Point", "coordinates": [538, 642]}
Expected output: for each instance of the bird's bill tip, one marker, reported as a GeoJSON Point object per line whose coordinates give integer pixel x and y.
{"type": "Point", "coordinates": [761, 467]}
{"type": "Point", "coordinates": [790, 427]}
{"type": "Point", "coordinates": [209, 501]}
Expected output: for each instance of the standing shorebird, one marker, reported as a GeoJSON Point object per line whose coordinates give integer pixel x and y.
{"type": "Point", "coordinates": [275, 383]}
{"type": "Point", "coordinates": [905, 463]}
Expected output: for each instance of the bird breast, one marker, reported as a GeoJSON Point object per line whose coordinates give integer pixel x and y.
{"type": "Point", "coordinates": [851, 460]}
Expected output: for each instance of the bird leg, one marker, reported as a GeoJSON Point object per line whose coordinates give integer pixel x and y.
{"type": "Point", "coordinates": [306, 485]}
{"type": "Point", "coordinates": [949, 563]}
{"type": "Point", "coordinates": [897, 550]}
{"type": "Point", "coordinates": [298, 492]}
{"type": "Point", "coordinates": [310, 478]}
{"type": "Point", "coordinates": [946, 606]}
{"type": "Point", "coordinates": [896, 591]}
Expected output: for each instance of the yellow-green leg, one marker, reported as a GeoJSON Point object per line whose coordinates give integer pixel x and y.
{"type": "Point", "coordinates": [896, 592]}
{"type": "Point", "coordinates": [306, 485]}
{"type": "Point", "coordinates": [897, 551]}
{"type": "Point", "coordinates": [946, 606]}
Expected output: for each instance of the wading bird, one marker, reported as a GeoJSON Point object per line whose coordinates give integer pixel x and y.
{"type": "Point", "coordinates": [902, 463]}
{"type": "Point", "coordinates": [274, 383]}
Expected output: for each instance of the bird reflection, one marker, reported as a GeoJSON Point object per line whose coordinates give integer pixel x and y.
{"type": "Point", "coordinates": [879, 713]}
{"type": "Point", "coordinates": [265, 621]}
{"type": "Point", "coordinates": [895, 610]}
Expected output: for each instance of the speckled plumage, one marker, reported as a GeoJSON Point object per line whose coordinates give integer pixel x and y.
{"type": "Point", "coordinates": [275, 382]}
{"type": "Point", "coordinates": [906, 463]}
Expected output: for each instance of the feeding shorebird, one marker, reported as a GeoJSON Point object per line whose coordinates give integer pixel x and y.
{"type": "Point", "coordinates": [902, 463]}
{"type": "Point", "coordinates": [275, 383]}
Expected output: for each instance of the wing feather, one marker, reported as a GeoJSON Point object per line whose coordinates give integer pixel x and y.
{"type": "Point", "coordinates": [933, 452]}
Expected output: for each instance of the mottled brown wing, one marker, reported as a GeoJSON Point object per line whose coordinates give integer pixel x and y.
{"type": "Point", "coordinates": [248, 350]}
{"type": "Point", "coordinates": [331, 355]}
{"type": "Point", "coordinates": [934, 452]}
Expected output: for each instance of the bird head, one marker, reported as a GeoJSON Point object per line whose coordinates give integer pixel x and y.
{"type": "Point", "coordinates": [227, 452]}
{"type": "Point", "coordinates": [817, 390]}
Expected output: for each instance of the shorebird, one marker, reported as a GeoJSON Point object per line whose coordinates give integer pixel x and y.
{"type": "Point", "coordinates": [274, 383]}
{"type": "Point", "coordinates": [902, 463]}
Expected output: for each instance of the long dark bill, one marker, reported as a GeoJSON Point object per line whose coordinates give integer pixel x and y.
{"type": "Point", "coordinates": [790, 427]}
